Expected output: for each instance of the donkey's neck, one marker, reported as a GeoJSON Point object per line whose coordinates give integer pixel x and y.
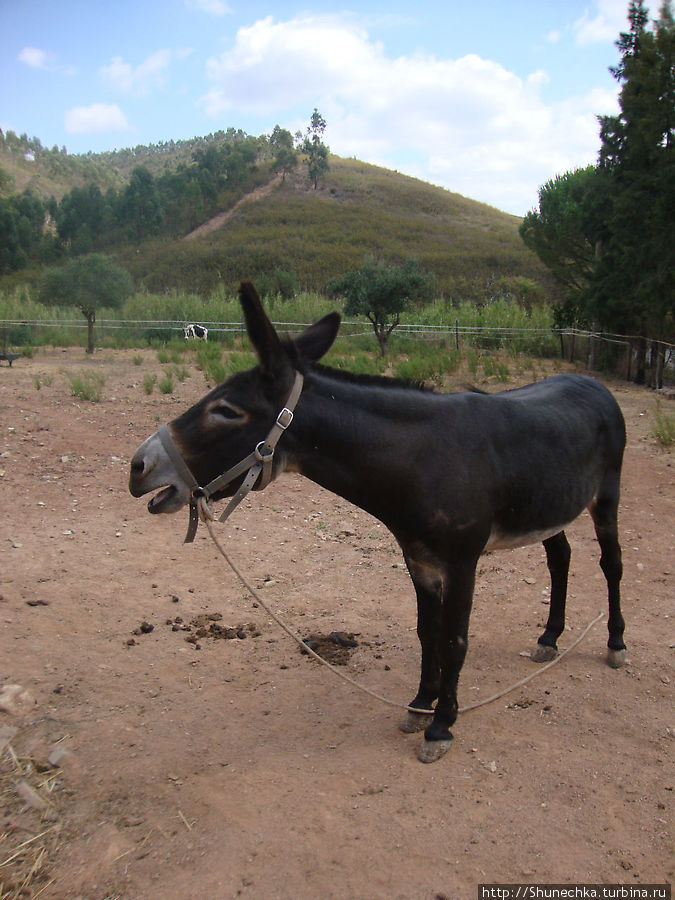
{"type": "Point", "coordinates": [355, 436]}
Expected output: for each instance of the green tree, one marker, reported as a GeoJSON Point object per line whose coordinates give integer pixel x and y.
{"type": "Point", "coordinates": [563, 231]}
{"type": "Point", "coordinates": [632, 289]}
{"type": "Point", "coordinates": [285, 158]}
{"type": "Point", "coordinates": [608, 232]}
{"type": "Point", "coordinates": [83, 218]}
{"type": "Point", "coordinates": [314, 149]}
{"type": "Point", "coordinates": [381, 293]}
{"type": "Point", "coordinates": [22, 219]}
{"type": "Point", "coordinates": [140, 206]}
{"type": "Point", "coordinates": [89, 283]}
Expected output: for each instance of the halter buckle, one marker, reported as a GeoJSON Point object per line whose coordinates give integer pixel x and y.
{"type": "Point", "coordinates": [285, 418]}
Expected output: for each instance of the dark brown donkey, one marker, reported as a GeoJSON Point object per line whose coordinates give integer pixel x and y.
{"type": "Point", "coordinates": [451, 476]}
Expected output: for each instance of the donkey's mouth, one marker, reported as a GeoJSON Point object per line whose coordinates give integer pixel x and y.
{"type": "Point", "coordinates": [164, 501]}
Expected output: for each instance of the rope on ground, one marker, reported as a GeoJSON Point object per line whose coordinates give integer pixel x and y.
{"type": "Point", "coordinates": [207, 517]}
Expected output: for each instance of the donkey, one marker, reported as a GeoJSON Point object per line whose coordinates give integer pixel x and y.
{"type": "Point", "coordinates": [452, 476]}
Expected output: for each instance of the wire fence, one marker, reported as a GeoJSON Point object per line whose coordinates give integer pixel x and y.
{"type": "Point", "coordinates": [627, 356]}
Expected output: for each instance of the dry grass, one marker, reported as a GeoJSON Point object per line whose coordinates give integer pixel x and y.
{"type": "Point", "coordinates": [29, 831]}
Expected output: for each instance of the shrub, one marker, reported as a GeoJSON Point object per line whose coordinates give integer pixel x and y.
{"type": "Point", "coordinates": [86, 386]}
{"type": "Point", "coordinates": [165, 384]}
{"type": "Point", "coordinates": [149, 382]}
{"type": "Point", "coordinates": [663, 427]}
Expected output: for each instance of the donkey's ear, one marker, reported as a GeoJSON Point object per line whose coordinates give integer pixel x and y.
{"type": "Point", "coordinates": [318, 338]}
{"type": "Point", "coordinates": [260, 330]}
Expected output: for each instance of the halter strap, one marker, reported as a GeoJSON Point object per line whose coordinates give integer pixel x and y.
{"type": "Point", "coordinates": [258, 463]}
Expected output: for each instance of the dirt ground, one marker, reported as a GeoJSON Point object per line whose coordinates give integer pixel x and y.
{"type": "Point", "coordinates": [199, 767]}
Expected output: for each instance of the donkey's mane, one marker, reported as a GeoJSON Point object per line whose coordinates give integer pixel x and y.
{"type": "Point", "coordinates": [383, 381]}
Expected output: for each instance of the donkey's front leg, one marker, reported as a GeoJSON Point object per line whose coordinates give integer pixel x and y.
{"type": "Point", "coordinates": [428, 583]}
{"type": "Point", "coordinates": [456, 609]}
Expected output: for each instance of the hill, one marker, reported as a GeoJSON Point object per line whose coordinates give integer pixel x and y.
{"type": "Point", "coordinates": [264, 223]}
{"type": "Point", "coordinates": [472, 248]}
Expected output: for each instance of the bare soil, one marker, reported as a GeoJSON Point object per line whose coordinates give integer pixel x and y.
{"type": "Point", "coordinates": [202, 767]}
{"type": "Point", "coordinates": [220, 219]}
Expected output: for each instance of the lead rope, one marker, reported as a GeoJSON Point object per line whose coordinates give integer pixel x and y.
{"type": "Point", "coordinates": [207, 517]}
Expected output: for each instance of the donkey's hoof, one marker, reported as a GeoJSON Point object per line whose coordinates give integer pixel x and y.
{"type": "Point", "coordinates": [414, 722]}
{"type": "Point", "coordinates": [543, 653]}
{"type": "Point", "coordinates": [616, 658]}
{"type": "Point", "coordinates": [430, 751]}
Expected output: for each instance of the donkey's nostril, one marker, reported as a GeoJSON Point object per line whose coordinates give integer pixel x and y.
{"type": "Point", "coordinates": [137, 466]}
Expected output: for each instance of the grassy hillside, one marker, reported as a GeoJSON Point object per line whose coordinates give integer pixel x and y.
{"type": "Point", "coordinates": [53, 172]}
{"type": "Point", "coordinates": [474, 250]}
{"type": "Point", "coordinates": [359, 209]}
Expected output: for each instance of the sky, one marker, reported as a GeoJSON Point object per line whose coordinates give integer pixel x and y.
{"type": "Point", "coordinates": [490, 98]}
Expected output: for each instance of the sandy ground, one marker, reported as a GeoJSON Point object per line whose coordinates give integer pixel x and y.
{"type": "Point", "coordinates": [240, 768]}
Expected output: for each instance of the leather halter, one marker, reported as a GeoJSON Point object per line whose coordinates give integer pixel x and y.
{"type": "Point", "coordinates": [257, 462]}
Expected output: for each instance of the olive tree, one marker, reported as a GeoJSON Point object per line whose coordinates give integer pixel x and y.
{"type": "Point", "coordinates": [89, 283]}
{"type": "Point", "coordinates": [381, 292]}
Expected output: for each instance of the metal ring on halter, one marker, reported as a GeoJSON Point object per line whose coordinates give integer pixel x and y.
{"type": "Point", "coordinates": [264, 457]}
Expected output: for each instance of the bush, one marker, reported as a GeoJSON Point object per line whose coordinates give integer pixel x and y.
{"type": "Point", "coordinates": [149, 382]}
{"type": "Point", "coordinates": [86, 386]}
{"type": "Point", "coordinates": [165, 384]}
{"type": "Point", "coordinates": [663, 427]}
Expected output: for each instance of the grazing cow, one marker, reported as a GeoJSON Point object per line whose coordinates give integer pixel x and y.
{"type": "Point", "coordinates": [198, 332]}
{"type": "Point", "coordinates": [451, 475]}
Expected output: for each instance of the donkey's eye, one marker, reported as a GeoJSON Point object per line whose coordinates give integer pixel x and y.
{"type": "Point", "coordinates": [224, 410]}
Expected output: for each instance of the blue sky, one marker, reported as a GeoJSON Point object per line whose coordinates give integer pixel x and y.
{"type": "Point", "coordinates": [489, 98]}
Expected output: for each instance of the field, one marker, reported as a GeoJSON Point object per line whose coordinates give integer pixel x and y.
{"type": "Point", "coordinates": [200, 767]}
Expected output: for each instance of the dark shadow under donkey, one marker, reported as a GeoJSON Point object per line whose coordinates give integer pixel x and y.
{"type": "Point", "coordinates": [451, 475]}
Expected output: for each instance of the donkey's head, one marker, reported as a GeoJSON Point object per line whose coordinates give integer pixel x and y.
{"type": "Point", "coordinates": [229, 422]}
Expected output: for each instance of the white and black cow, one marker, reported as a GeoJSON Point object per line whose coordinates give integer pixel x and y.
{"type": "Point", "coordinates": [198, 332]}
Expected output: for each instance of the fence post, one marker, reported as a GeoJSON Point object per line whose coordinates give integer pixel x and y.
{"type": "Point", "coordinates": [630, 359]}
{"type": "Point", "coordinates": [457, 334]}
{"type": "Point", "coordinates": [658, 375]}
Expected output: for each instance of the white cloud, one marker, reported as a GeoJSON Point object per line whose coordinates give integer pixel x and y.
{"type": "Point", "coordinates": [555, 36]}
{"type": "Point", "coordinates": [601, 22]}
{"type": "Point", "coordinates": [212, 7]}
{"type": "Point", "coordinates": [40, 59]}
{"type": "Point", "coordinates": [99, 117]}
{"type": "Point", "coordinates": [141, 79]}
{"type": "Point", "coordinates": [33, 57]}
{"type": "Point", "coordinates": [467, 123]}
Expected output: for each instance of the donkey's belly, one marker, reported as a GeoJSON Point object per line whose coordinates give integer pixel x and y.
{"type": "Point", "coordinates": [501, 540]}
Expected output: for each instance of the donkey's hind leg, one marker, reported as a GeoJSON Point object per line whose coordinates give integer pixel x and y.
{"type": "Point", "coordinates": [604, 512]}
{"type": "Point", "coordinates": [558, 560]}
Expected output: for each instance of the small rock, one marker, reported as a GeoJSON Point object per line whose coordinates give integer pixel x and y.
{"type": "Point", "coordinates": [15, 700]}
{"type": "Point", "coordinates": [146, 627]}
{"type": "Point", "coordinates": [30, 796]}
{"type": "Point", "coordinates": [58, 755]}
{"type": "Point", "coordinates": [7, 732]}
